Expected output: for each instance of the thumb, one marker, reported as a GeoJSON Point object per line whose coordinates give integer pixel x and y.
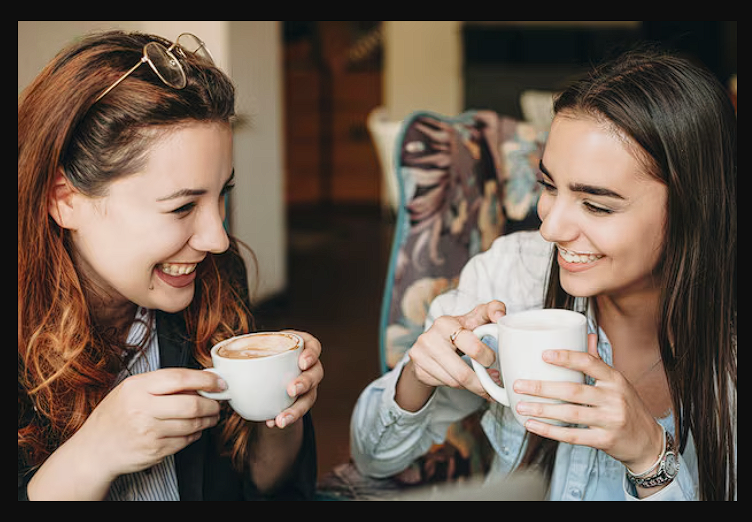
{"type": "Point", "coordinates": [483, 314]}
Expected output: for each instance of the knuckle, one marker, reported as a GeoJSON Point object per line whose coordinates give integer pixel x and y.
{"type": "Point", "coordinates": [193, 407]}
{"type": "Point", "coordinates": [575, 393]}
{"type": "Point", "coordinates": [444, 322]}
{"type": "Point", "coordinates": [575, 414]}
{"type": "Point", "coordinates": [466, 377]}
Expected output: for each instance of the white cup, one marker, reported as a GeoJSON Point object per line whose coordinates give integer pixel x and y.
{"type": "Point", "coordinates": [257, 386]}
{"type": "Point", "coordinates": [522, 338]}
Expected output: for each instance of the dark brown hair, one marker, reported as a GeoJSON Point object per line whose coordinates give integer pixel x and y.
{"type": "Point", "coordinates": [683, 120]}
{"type": "Point", "coordinates": [66, 364]}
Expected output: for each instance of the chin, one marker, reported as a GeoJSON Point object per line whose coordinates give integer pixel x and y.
{"type": "Point", "coordinates": [173, 304]}
{"type": "Point", "coordinates": [578, 285]}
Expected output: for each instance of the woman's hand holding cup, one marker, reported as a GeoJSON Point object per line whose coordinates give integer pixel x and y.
{"type": "Point", "coordinates": [435, 358]}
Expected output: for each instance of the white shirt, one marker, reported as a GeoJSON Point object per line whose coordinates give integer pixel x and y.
{"type": "Point", "coordinates": [385, 439]}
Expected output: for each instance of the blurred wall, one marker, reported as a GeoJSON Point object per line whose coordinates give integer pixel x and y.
{"type": "Point", "coordinates": [422, 67]}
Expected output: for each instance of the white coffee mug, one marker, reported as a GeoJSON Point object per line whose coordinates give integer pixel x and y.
{"type": "Point", "coordinates": [522, 338]}
{"type": "Point", "coordinates": [257, 385]}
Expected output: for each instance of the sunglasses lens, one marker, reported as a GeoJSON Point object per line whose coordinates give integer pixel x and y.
{"type": "Point", "coordinates": [165, 65]}
{"type": "Point", "coordinates": [192, 44]}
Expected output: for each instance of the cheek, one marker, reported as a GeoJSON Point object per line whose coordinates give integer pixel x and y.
{"type": "Point", "coordinates": [634, 251]}
{"type": "Point", "coordinates": [123, 252]}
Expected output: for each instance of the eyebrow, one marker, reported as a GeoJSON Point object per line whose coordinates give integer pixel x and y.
{"type": "Point", "coordinates": [188, 193]}
{"type": "Point", "coordinates": [586, 189]}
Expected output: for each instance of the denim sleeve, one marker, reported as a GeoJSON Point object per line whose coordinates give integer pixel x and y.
{"type": "Point", "coordinates": [385, 439]}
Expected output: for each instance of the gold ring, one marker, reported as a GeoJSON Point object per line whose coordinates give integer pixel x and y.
{"type": "Point", "coordinates": [453, 337]}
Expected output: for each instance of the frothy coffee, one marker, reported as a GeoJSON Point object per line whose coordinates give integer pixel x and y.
{"type": "Point", "coordinates": [256, 346]}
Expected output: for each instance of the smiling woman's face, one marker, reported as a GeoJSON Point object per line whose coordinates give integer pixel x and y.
{"type": "Point", "coordinates": [142, 241]}
{"type": "Point", "coordinates": [605, 213]}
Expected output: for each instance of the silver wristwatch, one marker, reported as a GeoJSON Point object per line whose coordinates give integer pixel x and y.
{"type": "Point", "coordinates": [663, 471]}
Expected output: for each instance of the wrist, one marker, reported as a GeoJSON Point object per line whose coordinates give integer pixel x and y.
{"type": "Point", "coordinates": [662, 472]}
{"type": "Point", "coordinates": [411, 393]}
{"type": "Point", "coordinates": [70, 473]}
{"type": "Point", "coordinates": [651, 454]}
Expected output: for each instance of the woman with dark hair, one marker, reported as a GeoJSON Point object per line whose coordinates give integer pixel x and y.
{"type": "Point", "coordinates": [638, 232]}
{"type": "Point", "coordinates": [127, 277]}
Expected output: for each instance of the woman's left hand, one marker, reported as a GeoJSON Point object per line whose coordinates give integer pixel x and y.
{"type": "Point", "coordinates": [614, 417]}
{"type": "Point", "coordinates": [305, 386]}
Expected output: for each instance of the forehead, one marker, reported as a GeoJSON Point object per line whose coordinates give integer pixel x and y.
{"type": "Point", "coordinates": [194, 156]}
{"type": "Point", "coordinates": [584, 149]}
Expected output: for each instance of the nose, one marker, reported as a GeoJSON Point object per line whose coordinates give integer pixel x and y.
{"type": "Point", "coordinates": [209, 234]}
{"type": "Point", "coordinates": [558, 223]}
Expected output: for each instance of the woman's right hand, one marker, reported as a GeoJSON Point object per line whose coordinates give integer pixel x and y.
{"type": "Point", "coordinates": [141, 421]}
{"type": "Point", "coordinates": [152, 415]}
{"type": "Point", "coordinates": [435, 358]}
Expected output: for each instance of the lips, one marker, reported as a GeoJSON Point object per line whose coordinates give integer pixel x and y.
{"type": "Point", "coordinates": [574, 261]}
{"type": "Point", "coordinates": [177, 275]}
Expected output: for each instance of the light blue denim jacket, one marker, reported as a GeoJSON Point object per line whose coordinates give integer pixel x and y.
{"type": "Point", "coordinates": [385, 439]}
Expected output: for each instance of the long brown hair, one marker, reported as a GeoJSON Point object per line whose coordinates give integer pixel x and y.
{"type": "Point", "coordinates": [66, 363]}
{"type": "Point", "coordinates": [683, 120]}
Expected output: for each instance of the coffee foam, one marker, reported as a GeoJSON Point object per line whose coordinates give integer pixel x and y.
{"type": "Point", "coordinates": [255, 346]}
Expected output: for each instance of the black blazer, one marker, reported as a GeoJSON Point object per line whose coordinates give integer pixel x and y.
{"type": "Point", "coordinates": [204, 474]}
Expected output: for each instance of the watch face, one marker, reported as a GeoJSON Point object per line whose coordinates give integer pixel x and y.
{"type": "Point", "coordinates": [672, 465]}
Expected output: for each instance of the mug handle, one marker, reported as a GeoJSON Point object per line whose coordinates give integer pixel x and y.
{"type": "Point", "coordinates": [217, 396]}
{"type": "Point", "coordinates": [498, 393]}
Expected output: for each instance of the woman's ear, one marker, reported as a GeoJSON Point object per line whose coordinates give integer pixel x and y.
{"type": "Point", "coordinates": [61, 204]}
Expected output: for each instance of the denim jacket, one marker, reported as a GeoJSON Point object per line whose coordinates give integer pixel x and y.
{"type": "Point", "coordinates": [385, 439]}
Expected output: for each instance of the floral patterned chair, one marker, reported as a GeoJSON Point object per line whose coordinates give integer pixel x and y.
{"type": "Point", "coordinates": [463, 182]}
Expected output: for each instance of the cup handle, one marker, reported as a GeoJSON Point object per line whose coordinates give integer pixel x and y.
{"type": "Point", "coordinates": [498, 393]}
{"type": "Point", "coordinates": [217, 396]}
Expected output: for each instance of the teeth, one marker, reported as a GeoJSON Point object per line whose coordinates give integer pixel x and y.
{"type": "Point", "coordinates": [574, 257]}
{"type": "Point", "coordinates": [177, 269]}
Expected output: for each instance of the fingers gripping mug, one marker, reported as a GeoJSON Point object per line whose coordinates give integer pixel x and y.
{"type": "Point", "coordinates": [257, 368]}
{"type": "Point", "coordinates": [522, 338]}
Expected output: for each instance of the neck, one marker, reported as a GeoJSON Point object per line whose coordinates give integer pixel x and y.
{"type": "Point", "coordinates": [635, 316]}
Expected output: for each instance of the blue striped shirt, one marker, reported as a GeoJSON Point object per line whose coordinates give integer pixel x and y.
{"type": "Point", "coordinates": [158, 482]}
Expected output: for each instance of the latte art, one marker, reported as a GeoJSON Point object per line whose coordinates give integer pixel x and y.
{"type": "Point", "coordinates": [256, 346]}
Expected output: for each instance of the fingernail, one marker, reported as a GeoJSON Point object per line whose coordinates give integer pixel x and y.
{"type": "Point", "coordinates": [221, 384]}
{"type": "Point", "coordinates": [550, 355]}
{"type": "Point", "coordinates": [523, 408]}
{"type": "Point", "coordinates": [298, 389]}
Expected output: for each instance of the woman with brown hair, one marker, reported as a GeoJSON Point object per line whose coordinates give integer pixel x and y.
{"type": "Point", "coordinates": [638, 232]}
{"type": "Point", "coordinates": [126, 278]}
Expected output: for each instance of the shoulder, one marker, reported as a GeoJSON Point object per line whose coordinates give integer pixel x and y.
{"type": "Point", "coordinates": [519, 248]}
{"type": "Point", "coordinates": [514, 270]}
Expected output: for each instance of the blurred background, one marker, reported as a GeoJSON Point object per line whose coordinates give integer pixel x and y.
{"type": "Point", "coordinates": [319, 103]}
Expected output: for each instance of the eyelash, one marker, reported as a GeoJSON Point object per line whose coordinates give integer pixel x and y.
{"type": "Point", "coordinates": [593, 209]}
{"type": "Point", "coordinates": [188, 207]}
{"type": "Point", "coordinates": [185, 209]}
